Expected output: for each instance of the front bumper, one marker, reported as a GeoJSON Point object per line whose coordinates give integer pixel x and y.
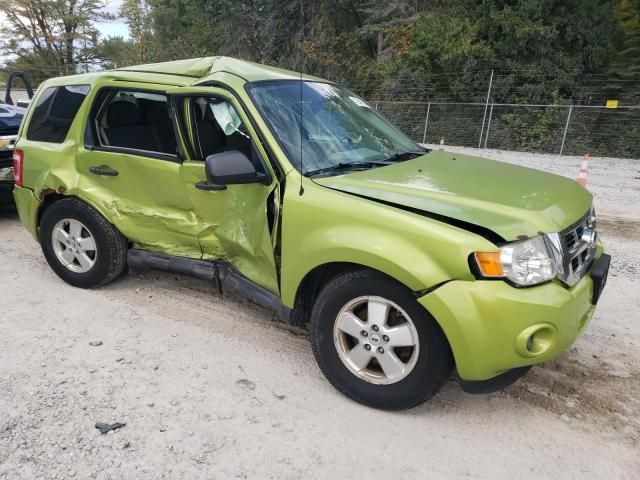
{"type": "Point", "coordinates": [493, 327]}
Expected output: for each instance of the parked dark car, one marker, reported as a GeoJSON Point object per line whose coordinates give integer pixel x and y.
{"type": "Point", "coordinates": [10, 118]}
{"type": "Point", "coordinates": [11, 114]}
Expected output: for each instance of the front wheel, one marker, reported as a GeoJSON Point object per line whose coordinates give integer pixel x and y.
{"type": "Point", "coordinates": [376, 344]}
{"type": "Point", "coordinates": [80, 245]}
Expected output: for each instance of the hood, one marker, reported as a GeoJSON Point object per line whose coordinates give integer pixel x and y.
{"type": "Point", "coordinates": [509, 200]}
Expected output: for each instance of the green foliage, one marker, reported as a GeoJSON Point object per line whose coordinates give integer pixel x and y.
{"type": "Point", "coordinates": [625, 68]}
{"type": "Point", "coordinates": [541, 51]}
{"type": "Point", "coordinates": [141, 48]}
{"type": "Point", "coordinates": [548, 44]}
{"type": "Point", "coordinates": [117, 52]}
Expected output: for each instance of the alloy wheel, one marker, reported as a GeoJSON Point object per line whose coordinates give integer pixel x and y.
{"type": "Point", "coordinates": [376, 340]}
{"type": "Point", "coordinates": [74, 245]}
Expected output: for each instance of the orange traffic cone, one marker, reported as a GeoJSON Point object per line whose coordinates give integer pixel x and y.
{"type": "Point", "coordinates": [582, 176]}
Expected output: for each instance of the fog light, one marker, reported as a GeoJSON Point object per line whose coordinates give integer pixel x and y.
{"type": "Point", "coordinates": [530, 343]}
{"type": "Point", "coordinates": [536, 340]}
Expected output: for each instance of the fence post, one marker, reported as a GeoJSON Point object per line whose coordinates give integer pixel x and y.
{"type": "Point", "coordinates": [486, 105]}
{"type": "Point", "coordinates": [566, 127]}
{"type": "Point", "coordinates": [426, 123]}
{"type": "Point", "coordinates": [486, 137]}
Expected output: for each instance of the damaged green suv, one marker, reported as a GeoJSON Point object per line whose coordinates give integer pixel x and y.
{"type": "Point", "coordinates": [294, 192]}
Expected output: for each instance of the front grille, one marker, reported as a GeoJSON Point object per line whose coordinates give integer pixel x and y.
{"type": "Point", "coordinates": [572, 237]}
{"type": "Point", "coordinates": [577, 245]}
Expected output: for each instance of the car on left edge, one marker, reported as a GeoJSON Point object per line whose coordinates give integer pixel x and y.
{"type": "Point", "coordinates": [10, 118]}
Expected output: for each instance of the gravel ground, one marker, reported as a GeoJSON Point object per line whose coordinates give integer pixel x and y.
{"type": "Point", "coordinates": [213, 387]}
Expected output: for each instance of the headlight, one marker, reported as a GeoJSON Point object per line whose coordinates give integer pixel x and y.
{"type": "Point", "coordinates": [525, 263]}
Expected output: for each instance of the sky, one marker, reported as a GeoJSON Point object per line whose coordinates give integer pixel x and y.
{"type": "Point", "coordinates": [116, 28]}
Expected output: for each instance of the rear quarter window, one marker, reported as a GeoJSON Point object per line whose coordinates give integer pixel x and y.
{"type": "Point", "coordinates": [54, 113]}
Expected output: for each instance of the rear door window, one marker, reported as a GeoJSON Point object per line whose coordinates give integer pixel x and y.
{"type": "Point", "coordinates": [136, 121]}
{"type": "Point", "coordinates": [54, 113]}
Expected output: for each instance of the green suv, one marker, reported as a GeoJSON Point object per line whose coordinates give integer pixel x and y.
{"type": "Point", "coordinates": [294, 192]}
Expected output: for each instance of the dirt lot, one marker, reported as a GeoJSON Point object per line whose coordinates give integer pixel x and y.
{"type": "Point", "coordinates": [212, 387]}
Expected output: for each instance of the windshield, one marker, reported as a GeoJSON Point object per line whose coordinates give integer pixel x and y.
{"type": "Point", "coordinates": [332, 129]}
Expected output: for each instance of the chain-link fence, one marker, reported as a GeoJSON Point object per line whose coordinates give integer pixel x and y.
{"type": "Point", "coordinates": [561, 129]}
{"type": "Point", "coordinates": [560, 112]}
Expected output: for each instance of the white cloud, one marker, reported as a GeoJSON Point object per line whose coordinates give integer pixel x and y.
{"type": "Point", "coordinates": [117, 27]}
{"type": "Point", "coordinates": [113, 6]}
{"type": "Point", "coordinates": [113, 29]}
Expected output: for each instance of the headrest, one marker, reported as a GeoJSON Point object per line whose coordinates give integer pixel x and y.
{"type": "Point", "coordinates": [123, 114]}
{"type": "Point", "coordinates": [156, 112]}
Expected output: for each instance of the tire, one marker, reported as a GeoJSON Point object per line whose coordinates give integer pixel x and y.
{"type": "Point", "coordinates": [425, 366]}
{"type": "Point", "coordinates": [99, 265]}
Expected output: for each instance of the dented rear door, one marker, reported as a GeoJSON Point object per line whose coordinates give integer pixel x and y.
{"type": "Point", "coordinates": [145, 200]}
{"type": "Point", "coordinates": [141, 192]}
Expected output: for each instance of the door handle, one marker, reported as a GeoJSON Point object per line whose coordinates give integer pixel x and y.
{"type": "Point", "coordinates": [104, 170]}
{"type": "Point", "coordinates": [209, 186]}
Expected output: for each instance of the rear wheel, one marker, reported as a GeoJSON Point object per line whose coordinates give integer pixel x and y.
{"type": "Point", "coordinates": [376, 344]}
{"type": "Point", "coordinates": [81, 247]}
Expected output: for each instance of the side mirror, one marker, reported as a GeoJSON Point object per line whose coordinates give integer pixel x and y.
{"type": "Point", "coordinates": [231, 168]}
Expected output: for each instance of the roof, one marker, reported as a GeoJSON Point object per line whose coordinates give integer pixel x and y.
{"type": "Point", "coordinates": [202, 67]}
{"type": "Point", "coordinates": [183, 73]}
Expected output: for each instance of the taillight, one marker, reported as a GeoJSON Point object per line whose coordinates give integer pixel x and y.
{"type": "Point", "coordinates": [18, 165]}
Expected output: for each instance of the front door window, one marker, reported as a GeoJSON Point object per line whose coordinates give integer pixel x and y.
{"type": "Point", "coordinates": [216, 127]}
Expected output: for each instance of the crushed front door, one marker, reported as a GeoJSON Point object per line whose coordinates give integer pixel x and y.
{"type": "Point", "coordinates": [235, 224]}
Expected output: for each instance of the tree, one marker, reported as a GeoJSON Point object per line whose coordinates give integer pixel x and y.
{"type": "Point", "coordinates": [138, 18]}
{"type": "Point", "coordinates": [183, 28]}
{"type": "Point", "coordinates": [383, 18]}
{"type": "Point", "coordinates": [53, 36]}
{"type": "Point", "coordinates": [625, 69]}
{"type": "Point", "coordinates": [116, 52]}
{"type": "Point", "coordinates": [540, 49]}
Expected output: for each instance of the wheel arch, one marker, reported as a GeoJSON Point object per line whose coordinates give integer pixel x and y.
{"type": "Point", "coordinates": [109, 245]}
{"type": "Point", "coordinates": [48, 197]}
{"type": "Point", "coordinates": [314, 280]}
{"type": "Point", "coordinates": [413, 268]}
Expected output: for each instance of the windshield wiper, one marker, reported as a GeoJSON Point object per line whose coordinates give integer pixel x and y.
{"type": "Point", "coordinates": [348, 166]}
{"type": "Point", "coordinates": [401, 156]}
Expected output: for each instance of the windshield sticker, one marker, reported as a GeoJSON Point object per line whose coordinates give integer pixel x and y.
{"type": "Point", "coordinates": [359, 102]}
{"type": "Point", "coordinates": [82, 89]}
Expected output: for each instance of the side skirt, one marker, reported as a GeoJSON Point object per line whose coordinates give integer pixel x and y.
{"type": "Point", "coordinates": [224, 276]}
